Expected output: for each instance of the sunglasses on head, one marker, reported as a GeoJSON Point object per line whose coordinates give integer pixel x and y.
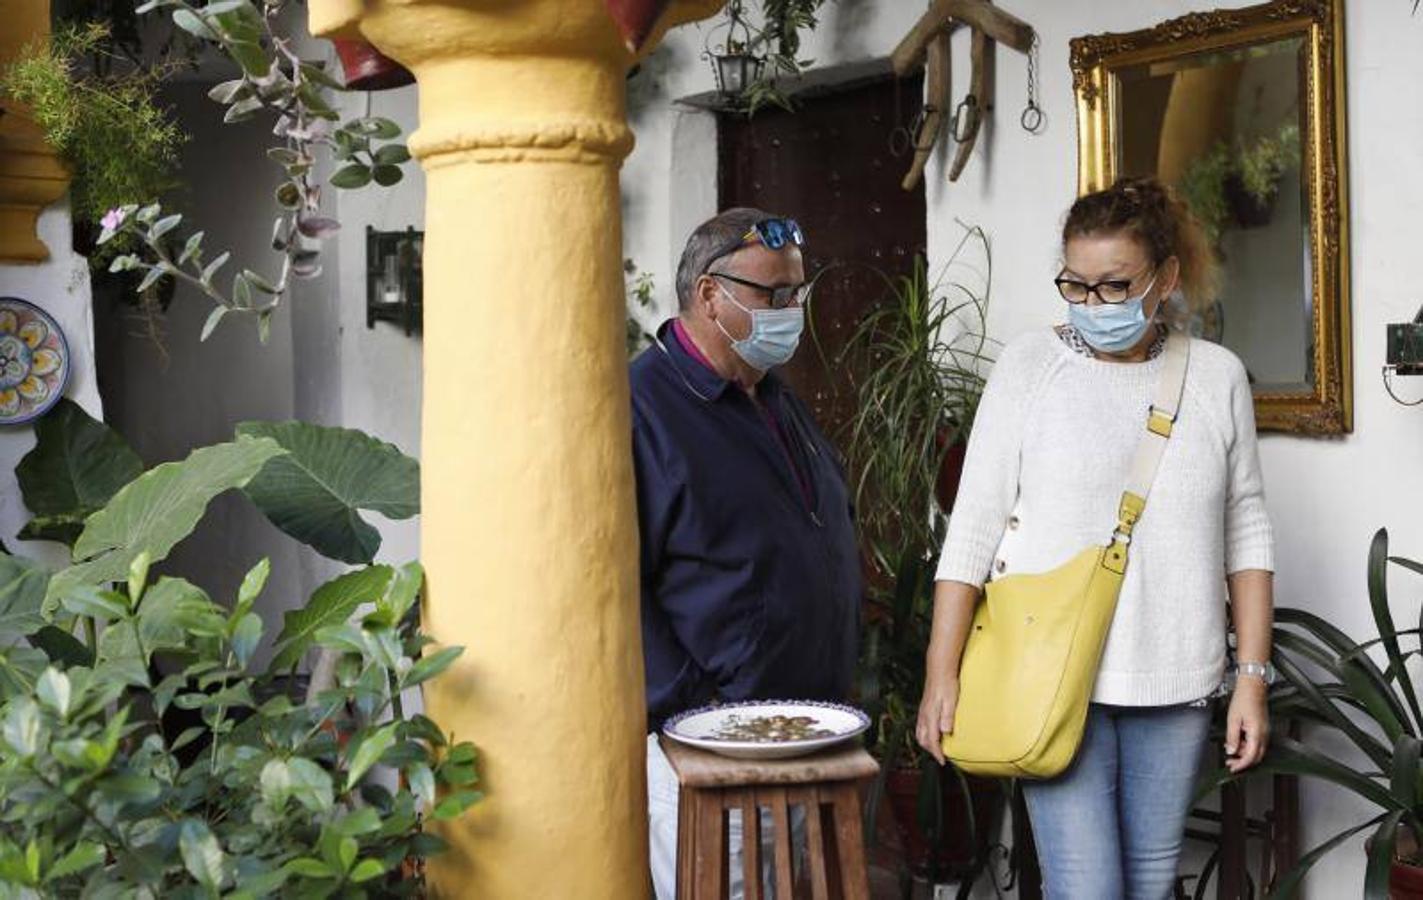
{"type": "Point", "coordinates": [773, 233]}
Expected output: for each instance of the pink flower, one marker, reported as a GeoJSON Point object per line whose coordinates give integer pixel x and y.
{"type": "Point", "coordinates": [112, 219]}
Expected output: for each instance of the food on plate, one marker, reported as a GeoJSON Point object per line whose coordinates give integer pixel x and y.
{"type": "Point", "coordinates": [769, 729]}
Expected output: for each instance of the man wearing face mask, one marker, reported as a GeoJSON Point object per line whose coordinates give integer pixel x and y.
{"type": "Point", "coordinates": [751, 585]}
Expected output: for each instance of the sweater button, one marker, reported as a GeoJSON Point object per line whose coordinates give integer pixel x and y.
{"type": "Point", "coordinates": [1013, 522]}
{"type": "Point", "coordinates": [1000, 567]}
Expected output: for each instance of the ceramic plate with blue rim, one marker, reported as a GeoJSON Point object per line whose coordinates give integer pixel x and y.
{"type": "Point", "coordinates": [767, 729]}
{"type": "Point", "coordinates": [34, 361]}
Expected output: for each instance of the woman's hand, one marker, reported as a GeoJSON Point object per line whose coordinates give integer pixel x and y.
{"type": "Point", "coordinates": [1247, 724]}
{"type": "Point", "coordinates": [936, 712]}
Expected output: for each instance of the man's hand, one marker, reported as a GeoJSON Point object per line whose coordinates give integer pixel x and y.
{"type": "Point", "coordinates": [1247, 724]}
{"type": "Point", "coordinates": [936, 712]}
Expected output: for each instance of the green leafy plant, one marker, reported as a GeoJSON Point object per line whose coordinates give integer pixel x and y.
{"type": "Point", "coordinates": [776, 41]}
{"type": "Point", "coordinates": [277, 82]}
{"type": "Point", "coordinates": [1332, 684]}
{"type": "Point", "coordinates": [1254, 168]}
{"type": "Point", "coordinates": [639, 286]}
{"type": "Point", "coordinates": [918, 362]}
{"type": "Point", "coordinates": [120, 145]}
{"type": "Point", "coordinates": [141, 748]}
{"type": "Point", "coordinates": [1264, 161]}
{"type": "Point", "coordinates": [211, 776]}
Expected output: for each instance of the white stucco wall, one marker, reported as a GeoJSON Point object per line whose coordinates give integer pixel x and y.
{"type": "Point", "coordinates": [59, 286]}
{"type": "Point", "coordinates": [1326, 497]}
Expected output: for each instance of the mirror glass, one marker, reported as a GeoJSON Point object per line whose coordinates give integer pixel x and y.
{"type": "Point", "coordinates": [1224, 128]}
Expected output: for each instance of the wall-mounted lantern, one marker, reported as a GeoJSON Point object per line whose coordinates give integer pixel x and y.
{"type": "Point", "coordinates": [1404, 354]}
{"type": "Point", "coordinates": [736, 68]}
{"type": "Point", "coordinates": [394, 280]}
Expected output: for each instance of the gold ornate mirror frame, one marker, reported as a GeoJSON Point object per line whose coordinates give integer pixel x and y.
{"type": "Point", "coordinates": [1324, 406]}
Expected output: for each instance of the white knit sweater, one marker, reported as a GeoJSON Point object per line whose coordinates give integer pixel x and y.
{"type": "Point", "coordinates": [1047, 464]}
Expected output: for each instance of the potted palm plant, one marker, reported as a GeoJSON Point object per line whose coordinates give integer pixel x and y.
{"type": "Point", "coordinates": [1332, 683]}
{"type": "Point", "coordinates": [917, 365]}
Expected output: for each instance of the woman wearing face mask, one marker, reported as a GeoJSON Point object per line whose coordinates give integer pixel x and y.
{"type": "Point", "coordinates": [1052, 445]}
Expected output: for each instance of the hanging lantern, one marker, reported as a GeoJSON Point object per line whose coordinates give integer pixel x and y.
{"type": "Point", "coordinates": [733, 64]}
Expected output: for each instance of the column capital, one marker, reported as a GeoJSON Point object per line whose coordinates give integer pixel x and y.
{"type": "Point", "coordinates": [534, 80]}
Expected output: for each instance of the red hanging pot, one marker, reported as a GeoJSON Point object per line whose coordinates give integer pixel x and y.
{"type": "Point", "coordinates": [367, 69]}
{"type": "Point", "coordinates": [635, 19]}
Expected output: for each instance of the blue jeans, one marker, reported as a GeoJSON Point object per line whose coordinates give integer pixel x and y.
{"type": "Point", "coordinates": [1111, 826]}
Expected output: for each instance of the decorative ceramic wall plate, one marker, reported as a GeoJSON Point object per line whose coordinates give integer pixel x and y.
{"type": "Point", "coordinates": [767, 729]}
{"type": "Point", "coordinates": [34, 361]}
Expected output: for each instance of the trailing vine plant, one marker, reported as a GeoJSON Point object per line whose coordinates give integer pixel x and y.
{"type": "Point", "coordinates": [275, 81]}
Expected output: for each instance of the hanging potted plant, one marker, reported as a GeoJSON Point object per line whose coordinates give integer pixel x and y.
{"type": "Point", "coordinates": [118, 143]}
{"type": "Point", "coordinates": [1253, 185]}
{"type": "Point", "coordinates": [1238, 184]}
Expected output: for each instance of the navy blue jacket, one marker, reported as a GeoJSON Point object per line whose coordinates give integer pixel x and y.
{"type": "Point", "coordinates": [750, 589]}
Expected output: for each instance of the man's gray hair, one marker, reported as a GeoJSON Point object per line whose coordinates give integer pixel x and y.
{"type": "Point", "coordinates": [714, 238]}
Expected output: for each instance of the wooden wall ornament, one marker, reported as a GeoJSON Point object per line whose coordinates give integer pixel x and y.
{"type": "Point", "coordinates": [927, 45]}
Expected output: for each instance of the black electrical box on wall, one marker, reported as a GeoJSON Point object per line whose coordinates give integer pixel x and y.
{"type": "Point", "coordinates": [1405, 347]}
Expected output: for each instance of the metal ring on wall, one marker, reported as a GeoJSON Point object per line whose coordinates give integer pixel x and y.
{"type": "Point", "coordinates": [960, 126]}
{"type": "Point", "coordinates": [1032, 118]}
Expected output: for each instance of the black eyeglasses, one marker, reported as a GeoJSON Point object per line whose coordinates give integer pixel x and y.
{"type": "Point", "coordinates": [781, 297]}
{"type": "Point", "coordinates": [1113, 290]}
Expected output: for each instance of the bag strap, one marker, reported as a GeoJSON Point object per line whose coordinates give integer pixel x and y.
{"type": "Point", "coordinates": [1160, 418]}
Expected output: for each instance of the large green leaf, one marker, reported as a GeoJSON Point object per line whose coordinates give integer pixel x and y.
{"type": "Point", "coordinates": [315, 492]}
{"type": "Point", "coordinates": [157, 510]}
{"type": "Point", "coordinates": [1290, 757]}
{"type": "Point", "coordinates": [1290, 881]}
{"type": "Point", "coordinates": [1383, 618]}
{"type": "Point", "coordinates": [1360, 668]}
{"type": "Point", "coordinates": [22, 588]}
{"type": "Point", "coordinates": [1381, 850]}
{"type": "Point", "coordinates": [332, 604]}
{"type": "Point", "coordinates": [76, 466]}
{"type": "Point", "coordinates": [1328, 710]}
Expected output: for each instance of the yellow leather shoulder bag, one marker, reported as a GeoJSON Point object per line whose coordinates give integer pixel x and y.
{"type": "Point", "coordinates": [1036, 640]}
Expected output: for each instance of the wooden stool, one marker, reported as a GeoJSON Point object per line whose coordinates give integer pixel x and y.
{"type": "Point", "coordinates": [824, 785]}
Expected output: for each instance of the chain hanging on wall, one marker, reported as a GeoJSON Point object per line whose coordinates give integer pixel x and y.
{"type": "Point", "coordinates": [1033, 119]}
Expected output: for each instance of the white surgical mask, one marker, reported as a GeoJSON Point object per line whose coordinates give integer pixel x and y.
{"type": "Point", "coordinates": [775, 334]}
{"type": "Point", "coordinates": [1112, 327]}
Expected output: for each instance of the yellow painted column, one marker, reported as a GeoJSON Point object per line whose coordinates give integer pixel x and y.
{"type": "Point", "coordinates": [529, 530]}
{"type": "Point", "coordinates": [31, 175]}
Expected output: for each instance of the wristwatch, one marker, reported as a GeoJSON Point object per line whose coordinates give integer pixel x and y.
{"type": "Point", "coordinates": [1264, 671]}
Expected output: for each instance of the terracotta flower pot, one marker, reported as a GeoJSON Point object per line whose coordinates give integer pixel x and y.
{"type": "Point", "coordinates": [367, 69]}
{"type": "Point", "coordinates": [1405, 881]}
{"type": "Point", "coordinates": [956, 848]}
{"type": "Point", "coordinates": [635, 19]}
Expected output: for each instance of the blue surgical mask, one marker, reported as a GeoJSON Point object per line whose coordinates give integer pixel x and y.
{"type": "Point", "coordinates": [1112, 327]}
{"type": "Point", "coordinates": [775, 334]}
